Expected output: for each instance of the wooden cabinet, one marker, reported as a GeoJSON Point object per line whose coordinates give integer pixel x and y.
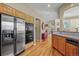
{"type": "Point", "coordinates": [32, 19]}
{"type": "Point", "coordinates": [11, 11]}
{"type": "Point", "coordinates": [18, 14]}
{"type": "Point", "coordinates": [61, 44]}
{"type": "Point", "coordinates": [29, 19]}
{"type": "Point", "coordinates": [55, 41]}
{"type": "Point", "coordinates": [1, 8]}
{"type": "Point", "coordinates": [58, 42]}
{"type": "Point", "coordinates": [7, 10]}
{"type": "Point", "coordinates": [72, 50]}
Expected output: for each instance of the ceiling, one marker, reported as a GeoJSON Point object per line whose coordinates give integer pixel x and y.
{"type": "Point", "coordinates": [39, 10]}
{"type": "Point", "coordinates": [44, 6]}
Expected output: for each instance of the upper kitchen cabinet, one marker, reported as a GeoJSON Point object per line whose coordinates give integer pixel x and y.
{"type": "Point", "coordinates": [1, 8]}
{"type": "Point", "coordinates": [19, 14]}
{"type": "Point", "coordinates": [7, 10]}
{"type": "Point", "coordinates": [14, 12]}
{"type": "Point", "coordinates": [29, 19]}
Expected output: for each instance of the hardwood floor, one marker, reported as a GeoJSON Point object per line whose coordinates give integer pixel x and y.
{"type": "Point", "coordinates": [41, 49]}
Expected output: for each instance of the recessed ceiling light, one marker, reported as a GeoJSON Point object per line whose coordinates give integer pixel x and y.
{"type": "Point", "coordinates": [49, 5]}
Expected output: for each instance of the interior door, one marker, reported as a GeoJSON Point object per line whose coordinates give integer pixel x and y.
{"type": "Point", "coordinates": [20, 40]}
{"type": "Point", "coordinates": [7, 32]}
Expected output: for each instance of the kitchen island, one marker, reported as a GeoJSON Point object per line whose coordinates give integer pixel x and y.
{"type": "Point", "coordinates": [66, 43]}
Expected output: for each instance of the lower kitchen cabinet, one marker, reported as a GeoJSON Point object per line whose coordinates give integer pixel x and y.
{"type": "Point", "coordinates": [61, 44]}
{"type": "Point", "coordinates": [72, 50]}
{"type": "Point", "coordinates": [64, 47]}
{"type": "Point", "coordinates": [55, 41]}
{"type": "Point", "coordinates": [58, 43]}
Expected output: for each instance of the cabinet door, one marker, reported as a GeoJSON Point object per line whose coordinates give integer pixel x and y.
{"type": "Point", "coordinates": [55, 42]}
{"type": "Point", "coordinates": [61, 45]}
{"type": "Point", "coordinates": [71, 50]}
{"type": "Point", "coordinates": [1, 8]}
{"type": "Point", "coordinates": [10, 11]}
{"type": "Point", "coordinates": [4, 9]}
{"type": "Point", "coordinates": [13, 12]}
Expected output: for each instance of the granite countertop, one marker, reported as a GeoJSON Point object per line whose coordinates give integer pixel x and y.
{"type": "Point", "coordinates": [68, 34]}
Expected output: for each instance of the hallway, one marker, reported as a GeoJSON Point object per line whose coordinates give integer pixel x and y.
{"type": "Point", "coordinates": [41, 49]}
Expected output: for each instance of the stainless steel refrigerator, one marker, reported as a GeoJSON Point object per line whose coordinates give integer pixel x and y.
{"type": "Point", "coordinates": [12, 35]}
{"type": "Point", "coordinates": [7, 32]}
{"type": "Point", "coordinates": [20, 39]}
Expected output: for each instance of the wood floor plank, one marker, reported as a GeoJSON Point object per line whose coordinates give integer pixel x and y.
{"type": "Point", "coordinates": [40, 49]}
